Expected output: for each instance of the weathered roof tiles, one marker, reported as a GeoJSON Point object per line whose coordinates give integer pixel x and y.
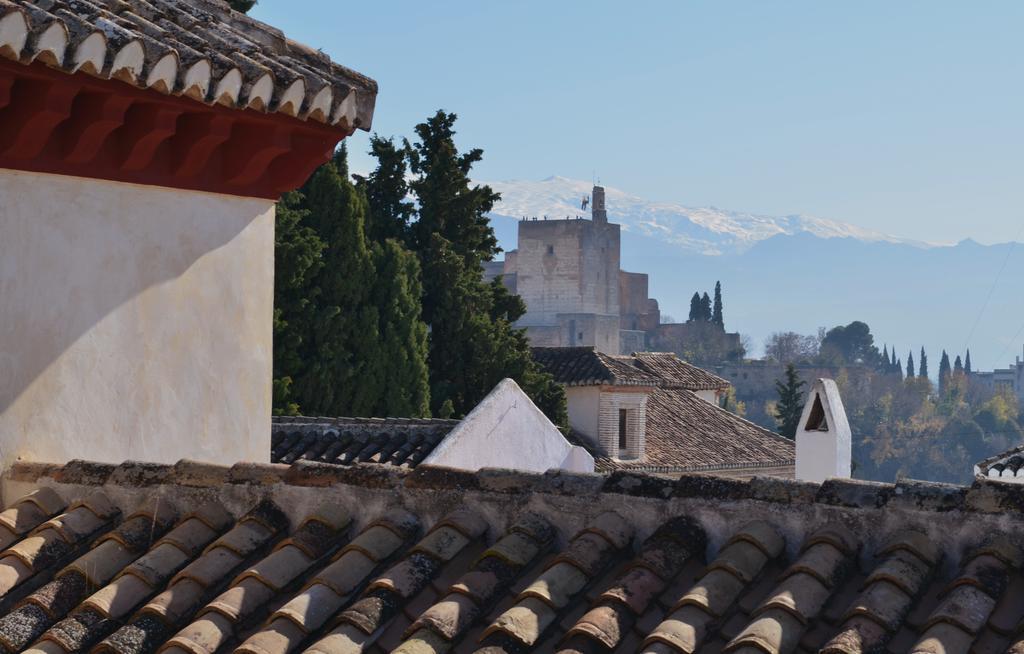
{"type": "Point", "coordinates": [585, 366]}
{"type": "Point", "coordinates": [335, 560]}
{"type": "Point", "coordinates": [344, 441]}
{"type": "Point", "coordinates": [195, 48]}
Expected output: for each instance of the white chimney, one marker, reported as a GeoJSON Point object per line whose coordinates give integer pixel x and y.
{"type": "Point", "coordinates": [823, 438]}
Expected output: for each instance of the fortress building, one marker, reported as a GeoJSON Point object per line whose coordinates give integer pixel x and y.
{"type": "Point", "coordinates": [567, 272]}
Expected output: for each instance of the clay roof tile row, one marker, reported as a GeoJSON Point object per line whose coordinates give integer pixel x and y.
{"type": "Point", "coordinates": [196, 48]}
{"type": "Point", "coordinates": [442, 561]}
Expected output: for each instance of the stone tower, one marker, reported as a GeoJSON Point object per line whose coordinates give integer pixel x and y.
{"type": "Point", "coordinates": [567, 272]}
{"type": "Point", "coordinates": [597, 210]}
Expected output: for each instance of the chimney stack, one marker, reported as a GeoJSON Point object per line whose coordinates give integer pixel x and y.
{"type": "Point", "coordinates": [823, 438]}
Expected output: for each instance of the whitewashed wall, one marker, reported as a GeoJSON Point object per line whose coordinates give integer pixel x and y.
{"type": "Point", "coordinates": [507, 430]}
{"type": "Point", "coordinates": [828, 451]}
{"type": "Point", "coordinates": [135, 322]}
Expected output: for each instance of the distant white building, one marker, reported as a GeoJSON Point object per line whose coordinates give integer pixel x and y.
{"type": "Point", "coordinates": [1008, 379]}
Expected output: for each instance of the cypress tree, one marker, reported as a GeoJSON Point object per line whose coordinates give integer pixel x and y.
{"type": "Point", "coordinates": [886, 363]}
{"type": "Point", "coordinates": [705, 308]}
{"type": "Point", "coordinates": [716, 312]}
{"type": "Point", "coordinates": [297, 250]}
{"type": "Point", "coordinates": [923, 372]}
{"type": "Point", "coordinates": [910, 365]}
{"type": "Point", "coordinates": [344, 375]}
{"type": "Point", "coordinates": [944, 371]}
{"type": "Point", "coordinates": [958, 366]}
{"type": "Point", "coordinates": [967, 363]}
{"type": "Point", "coordinates": [473, 344]}
{"type": "Point", "coordinates": [790, 406]}
{"type": "Point", "coordinates": [398, 290]}
{"type": "Point", "coordinates": [898, 369]}
{"type": "Point", "coordinates": [695, 307]}
{"type": "Point", "coordinates": [387, 190]}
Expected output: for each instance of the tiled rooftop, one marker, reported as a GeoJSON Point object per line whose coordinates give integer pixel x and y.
{"type": "Point", "coordinates": [687, 434]}
{"type": "Point", "coordinates": [585, 366]}
{"type": "Point", "coordinates": [1009, 464]}
{"type": "Point", "coordinates": [195, 48]}
{"type": "Point", "coordinates": [268, 559]}
{"type": "Point", "coordinates": [344, 441]}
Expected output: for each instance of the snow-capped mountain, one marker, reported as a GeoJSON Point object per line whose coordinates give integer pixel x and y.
{"type": "Point", "coordinates": [705, 230]}
{"type": "Point", "coordinates": [912, 294]}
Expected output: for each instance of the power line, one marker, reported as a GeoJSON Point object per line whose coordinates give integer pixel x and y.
{"type": "Point", "coordinates": [992, 288]}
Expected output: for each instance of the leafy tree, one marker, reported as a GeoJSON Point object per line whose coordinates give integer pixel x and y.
{"type": "Point", "coordinates": [910, 365]}
{"type": "Point", "coordinates": [473, 344]}
{"type": "Point", "coordinates": [242, 5]}
{"type": "Point", "coordinates": [790, 405]}
{"type": "Point", "coordinates": [297, 250]}
{"type": "Point", "coordinates": [716, 312]}
{"type": "Point", "coordinates": [695, 307]}
{"type": "Point", "coordinates": [967, 363]}
{"type": "Point", "coordinates": [732, 404]}
{"type": "Point", "coordinates": [705, 308]}
{"type": "Point", "coordinates": [851, 344]}
{"type": "Point", "coordinates": [790, 347]}
{"type": "Point", "coordinates": [923, 372]}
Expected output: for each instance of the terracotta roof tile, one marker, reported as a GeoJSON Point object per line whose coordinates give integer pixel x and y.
{"type": "Point", "coordinates": [200, 49]}
{"type": "Point", "coordinates": [454, 589]}
{"type": "Point", "coordinates": [685, 433]}
{"type": "Point", "coordinates": [403, 442]}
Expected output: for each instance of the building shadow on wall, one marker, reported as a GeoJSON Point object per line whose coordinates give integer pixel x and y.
{"type": "Point", "coordinates": [94, 247]}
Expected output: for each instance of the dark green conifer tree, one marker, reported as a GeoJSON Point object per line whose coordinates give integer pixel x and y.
{"type": "Point", "coordinates": [944, 371]}
{"type": "Point", "coordinates": [705, 308]}
{"type": "Point", "coordinates": [242, 5]}
{"type": "Point", "coordinates": [297, 260]}
{"type": "Point", "coordinates": [910, 365]}
{"type": "Point", "coordinates": [398, 293]}
{"type": "Point", "coordinates": [958, 366]}
{"type": "Point", "coordinates": [923, 372]}
{"type": "Point", "coordinates": [344, 377]}
{"type": "Point", "coordinates": [695, 307]}
{"type": "Point", "coordinates": [897, 368]}
{"type": "Point", "coordinates": [387, 192]}
{"type": "Point", "coordinates": [790, 406]}
{"type": "Point", "coordinates": [716, 312]}
{"type": "Point", "coordinates": [473, 344]}
{"type": "Point", "coordinates": [967, 363]}
{"type": "Point", "coordinates": [886, 362]}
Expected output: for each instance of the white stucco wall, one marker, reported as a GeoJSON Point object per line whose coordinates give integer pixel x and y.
{"type": "Point", "coordinates": [583, 403]}
{"type": "Point", "coordinates": [507, 430]}
{"type": "Point", "coordinates": [709, 396]}
{"type": "Point", "coordinates": [822, 454]}
{"type": "Point", "coordinates": [135, 322]}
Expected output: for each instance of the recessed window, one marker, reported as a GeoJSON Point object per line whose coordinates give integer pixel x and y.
{"type": "Point", "coordinates": [623, 444]}
{"type": "Point", "coordinates": [551, 249]}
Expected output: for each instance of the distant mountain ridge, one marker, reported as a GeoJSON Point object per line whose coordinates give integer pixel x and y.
{"type": "Point", "coordinates": [796, 273]}
{"type": "Point", "coordinates": [705, 230]}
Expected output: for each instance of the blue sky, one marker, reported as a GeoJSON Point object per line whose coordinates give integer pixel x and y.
{"type": "Point", "coordinates": [903, 117]}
